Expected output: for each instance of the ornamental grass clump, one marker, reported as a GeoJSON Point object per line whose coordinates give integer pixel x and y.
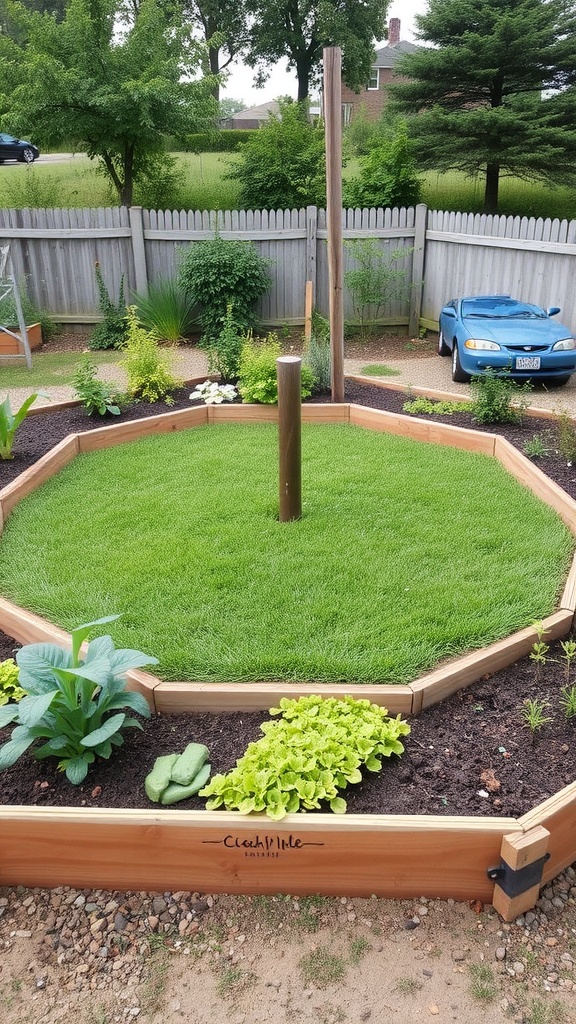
{"type": "Point", "coordinates": [315, 749]}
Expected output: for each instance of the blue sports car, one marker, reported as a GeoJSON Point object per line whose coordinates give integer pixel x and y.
{"type": "Point", "coordinates": [506, 335]}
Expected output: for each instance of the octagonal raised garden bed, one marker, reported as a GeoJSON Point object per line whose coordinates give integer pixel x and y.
{"type": "Point", "coordinates": [499, 860]}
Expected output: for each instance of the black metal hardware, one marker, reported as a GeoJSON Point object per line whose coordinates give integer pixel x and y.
{"type": "Point", "coordinates": [514, 883]}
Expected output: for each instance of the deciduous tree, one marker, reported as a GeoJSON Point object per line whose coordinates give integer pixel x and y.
{"type": "Point", "coordinates": [116, 95]}
{"type": "Point", "coordinates": [300, 29]}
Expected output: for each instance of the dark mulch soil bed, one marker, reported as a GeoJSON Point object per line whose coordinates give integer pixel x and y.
{"type": "Point", "coordinates": [470, 755]}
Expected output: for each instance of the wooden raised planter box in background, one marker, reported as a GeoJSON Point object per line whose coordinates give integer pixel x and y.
{"type": "Point", "coordinates": [355, 855]}
{"type": "Point", "coordinates": [9, 346]}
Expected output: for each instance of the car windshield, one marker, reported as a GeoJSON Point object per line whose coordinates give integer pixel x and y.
{"type": "Point", "coordinates": [501, 308]}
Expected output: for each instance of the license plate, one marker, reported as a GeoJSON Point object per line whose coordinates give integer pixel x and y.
{"type": "Point", "coordinates": [528, 363]}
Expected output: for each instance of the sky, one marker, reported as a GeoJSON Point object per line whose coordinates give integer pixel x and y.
{"type": "Point", "coordinates": [283, 83]}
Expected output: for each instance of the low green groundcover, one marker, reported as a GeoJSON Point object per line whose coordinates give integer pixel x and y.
{"type": "Point", "coordinates": [406, 553]}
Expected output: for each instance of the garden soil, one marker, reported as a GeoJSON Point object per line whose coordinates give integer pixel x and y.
{"type": "Point", "coordinates": [98, 957]}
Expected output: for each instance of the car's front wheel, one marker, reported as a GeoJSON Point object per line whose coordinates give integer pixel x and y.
{"type": "Point", "coordinates": [443, 349]}
{"type": "Point", "coordinates": [458, 374]}
{"type": "Point", "coordinates": [28, 156]}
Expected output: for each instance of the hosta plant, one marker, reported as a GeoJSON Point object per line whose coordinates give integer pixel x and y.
{"type": "Point", "coordinates": [75, 705]}
{"type": "Point", "coordinates": [316, 748]}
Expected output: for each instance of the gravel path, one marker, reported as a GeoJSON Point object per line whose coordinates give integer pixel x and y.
{"type": "Point", "coordinates": [94, 957]}
{"type": "Point", "coordinates": [431, 373]}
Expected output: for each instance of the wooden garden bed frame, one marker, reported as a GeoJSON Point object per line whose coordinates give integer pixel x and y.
{"type": "Point", "coordinates": [499, 860]}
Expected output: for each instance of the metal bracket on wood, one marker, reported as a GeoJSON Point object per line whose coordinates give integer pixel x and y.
{"type": "Point", "coordinates": [515, 882]}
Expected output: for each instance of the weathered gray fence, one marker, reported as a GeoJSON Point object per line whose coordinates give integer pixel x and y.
{"type": "Point", "coordinates": [453, 253]}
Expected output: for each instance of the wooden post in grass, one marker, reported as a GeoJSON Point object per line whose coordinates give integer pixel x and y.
{"type": "Point", "coordinates": [289, 437]}
{"type": "Point", "coordinates": [333, 133]}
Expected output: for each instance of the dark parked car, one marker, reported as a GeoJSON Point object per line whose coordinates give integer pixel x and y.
{"type": "Point", "coordinates": [17, 149]}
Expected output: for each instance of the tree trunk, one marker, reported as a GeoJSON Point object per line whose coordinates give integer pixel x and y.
{"type": "Point", "coordinates": [214, 60]}
{"type": "Point", "coordinates": [303, 75]}
{"type": "Point", "coordinates": [128, 188]}
{"type": "Point", "coordinates": [491, 188]}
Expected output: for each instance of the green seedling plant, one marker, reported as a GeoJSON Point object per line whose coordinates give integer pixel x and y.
{"type": "Point", "coordinates": [10, 421]}
{"type": "Point", "coordinates": [538, 656]}
{"type": "Point", "coordinates": [567, 700]}
{"type": "Point", "coordinates": [74, 704]}
{"type": "Point", "coordinates": [533, 714]}
{"type": "Point", "coordinates": [315, 749]}
{"type": "Point", "coordinates": [95, 395]}
{"type": "Point", "coordinates": [568, 655]}
{"type": "Point", "coordinates": [535, 448]}
{"type": "Point", "coordinates": [9, 687]}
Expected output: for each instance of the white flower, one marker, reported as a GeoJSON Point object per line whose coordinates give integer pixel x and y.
{"type": "Point", "coordinates": [213, 393]}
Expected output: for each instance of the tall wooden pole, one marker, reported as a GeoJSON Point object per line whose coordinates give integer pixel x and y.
{"type": "Point", "coordinates": [333, 129]}
{"type": "Point", "coordinates": [288, 369]}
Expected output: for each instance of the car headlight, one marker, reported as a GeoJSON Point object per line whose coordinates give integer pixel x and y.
{"type": "Point", "coordinates": [480, 345]}
{"type": "Point", "coordinates": [566, 345]}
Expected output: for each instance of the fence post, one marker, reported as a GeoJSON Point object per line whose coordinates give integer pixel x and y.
{"type": "Point", "coordinates": [311, 242]}
{"type": "Point", "coordinates": [138, 250]}
{"type": "Point", "coordinates": [417, 269]}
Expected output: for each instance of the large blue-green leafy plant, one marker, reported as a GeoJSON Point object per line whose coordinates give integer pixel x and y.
{"type": "Point", "coordinates": [315, 749]}
{"type": "Point", "coordinates": [74, 705]}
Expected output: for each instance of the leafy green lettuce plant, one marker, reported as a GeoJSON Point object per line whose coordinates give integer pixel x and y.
{"type": "Point", "coordinates": [9, 688]}
{"type": "Point", "coordinates": [315, 749]}
{"type": "Point", "coordinates": [75, 705]}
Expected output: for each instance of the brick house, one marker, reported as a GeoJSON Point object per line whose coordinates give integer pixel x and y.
{"type": "Point", "coordinates": [373, 97]}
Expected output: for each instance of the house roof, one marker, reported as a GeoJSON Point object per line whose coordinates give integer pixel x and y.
{"type": "Point", "coordinates": [259, 112]}
{"type": "Point", "coordinates": [387, 56]}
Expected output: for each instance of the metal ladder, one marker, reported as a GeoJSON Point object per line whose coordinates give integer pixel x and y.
{"type": "Point", "coordinates": [9, 286]}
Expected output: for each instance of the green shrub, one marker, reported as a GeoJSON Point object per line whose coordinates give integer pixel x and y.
{"type": "Point", "coordinates": [225, 350]}
{"type": "Point", "coordinates": [74, 706]}
{"type": "Point", "coordinates": [149, 376]}
{"type": "Point", "coordinates": [158, 184]}
{"type": "Point", "coordinates": [258, 379]}
{"type": "Point", "coordinates": [387, 174]}
{"type": "Point", "coordinates": [283, 165]}
{"type": "Point", "coordinates": [9, 688]}
{"type": "Point", "coordinates": [375, 280]}
{"type": "Point", "coordinates": [221, 272]}
{"type": "Point", "coordinates": [316, 749]}
{"type": "Point", "coordinates": [167, 310]}
{"type": "Point", "coordinates": [360, 133]}
{"type": "Point", "coordinates": [111, 331]}
{"type": "Point", "coordinates": [498, 399]}
{"type": "Point", "coordinates": [95, 395]}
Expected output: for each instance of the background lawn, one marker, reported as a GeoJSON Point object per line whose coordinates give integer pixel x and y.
{"type": "Point", "coordinates": [201, 184]}
{"type": "Point", "coordinates": [406, 553]}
